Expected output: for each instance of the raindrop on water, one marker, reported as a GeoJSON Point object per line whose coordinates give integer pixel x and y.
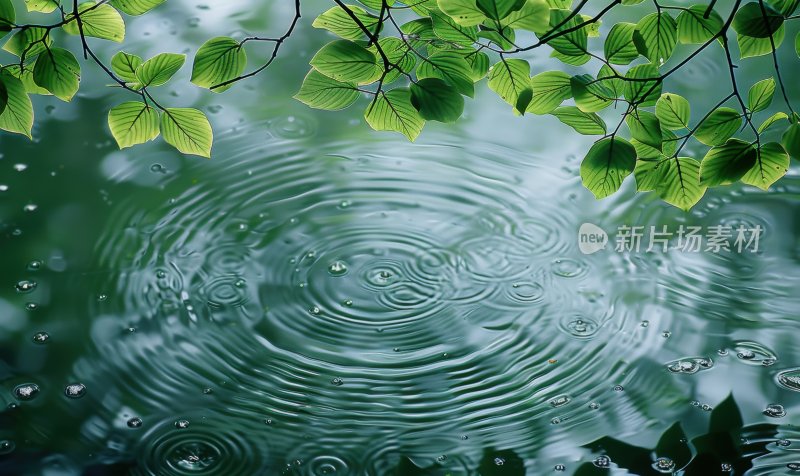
{"type": "Point", "coordinates": [560, 400]}
{"type": "Point", "coordinates": [560, 467]}
{"type": "Point", "coordinates": [181, 424]}
{"type": "Point", "coordinates": [30, 207]}
{"type": "Point", "coordinates": [775, 410]}
{"type": "Point", "coordinates": [26, 391]}
{"type": "Point", "coordinates": [6, 447]}
{"type": "Point", "coordinates": [726, 467]}
{"type": "Point", "coordinates": [594, 406]}
{"type": "Point", "coordinates": [41, 337]}
{"type": "Point", "coordinates": [75, 390]}
{"type": "Point", "coordinates": [25, 286]}
{"type": "Point", "coordinates": [602, 461]}
{"type": "Point", "coordinates": [34, 265]}
{"type": "Point", "coordinates": [135, 422]}
{"type": "Point", "coordinates": [337, 268]}
{"type": "Point", "coordinates": [664, 465]}
{"type": "Point", "coordinates": [337, 382]}
{"type": "Point", "coordinates": [793, 466]}
{"type": "Point", "coordinates": [783, 442]}
{"type": "Point", "coordinates": [619, 388]}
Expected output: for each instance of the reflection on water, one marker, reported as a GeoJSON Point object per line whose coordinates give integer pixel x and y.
{"type": "Point", "coordinates": [318, 300]}
{"type": "Point", "coordinates": [308, 306]}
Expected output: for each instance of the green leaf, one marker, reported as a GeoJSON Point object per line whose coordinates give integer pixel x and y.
{"type": "Point", "coordinates": [346, 61]}
{"type": "Point", "coordinates": [673, 111]}
{"type": "Point", "coordinates": [727, 163]}
{"type": "Point", "coordinates": [679, 182]}
{"type": "Point", "coordinates": [797, 44]}
{"type": "Point", "coordinates": [187, 130]}
{"type": "Point", "coordinates": [26, 76]}
{"type": "Point", "coordinates": [771, 120]}
{"type": "Point", "coordinates": [478, 63]}
{"type": "Point", "coordinates": [631, 2]}
{"type": "Point", "coordinates": [463, 12]}
{"type": "Point", "coordinates": [420, 7]}
{"type": "Point", "coordinates": [611, 79]}
{"type": "Point", "coordinates": [58, 71]}
{"type": "Point", "coordinates": [43, 6]}
{"type": "Point", "coordinates": [771, 165]}
{"type": "Point", "coordinates": [655, 37]}
{"type": "Point", "coordinates": [219, 60]}
{"type": "Point", "coordinates": [750, 46]}
{"type": "Point", "coordinates": [648, 173]}
{"type": "Point", "coordinates": [760, 95]}
{"type": "Point", "coordinates": [499, 9]}
{"type": "Point", "coordinates": [533, 16]}
{"type": "Point", "coordinates": [791, 140]}
{"type": "Point", "coordinates": [578, 60]}
{"type": "Point", "coordinates": [509, 78]}
{"type": "Point", "coordinates": [448, 30]}
{"type": "Point", "coordinates": [159, 69]}
{"type": "Point", "coordinates": [133, 123]}
{"type": "Point", "coordinates": [7, 17]}
{"type": "Point", "coordinates": [606, 165]}
{"type": "Point", "coordinates": [694, 28]}
{"type": "Point", "coordinates": [321, 92]}
{"type": "Point", "coordinates": [719, 126]}
{"type": "Point", "coordinates": [619, 47]}
{"type": "Point", "coordinates": [136, 7]}
{"type": "Point", "coordinates": [586, 123]}
{"type": "Point", "coordinates": [337, 21]}
{"type": "Point", "coordinates": [451, 67]}
{"type": "Point", "coordinates": [376, 4]}
{"type": "Point", "coordinates": [573, 43]}
{"type": "Point", "coordinates": [3, 96]}
{"type": "Point", "coordinates": [785, 7]}
{"type": "Point", "coordinates": [550, 89]}
{"type": "Point", "coordinates": [644, 93]}
{"type": "Point", "coordinates": [751, 21]}
{"type": "Point", "coordinates": [98, 21]}
{"type": "Point", "coordinates": [399, 54]}
{"type": "Point", "coordinates": [668, 146]}
{"type": "Point", "coordinates": [590, 95]}
{"type": "Point", "coordinates": [645, 128]}
{"type": "Point", "coordinates": [125, 66]}
{"type": "Point", "coordinates": [436, 100]}
{"type": "Point", "coordinates": [505, 40]}
{"type": "Point", "coordinates": [393, 111]}
{"type": "Point", "coordinates": [28, 42]}
{"type": "Point", "coordinates": [18, 114]}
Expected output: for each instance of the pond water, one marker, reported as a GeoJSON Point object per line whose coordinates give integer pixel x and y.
{"type": "Point", "coordinates": [319, 299]}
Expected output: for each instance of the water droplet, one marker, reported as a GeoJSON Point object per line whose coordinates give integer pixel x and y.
{"type": "Point", "coordinates": [337, 381]}
{"type": "Point", "coordinates": [441, 458]}
{"type": "Point", "coordinates": [26, 286]}
{"type": "Point", "coordinates": [26, 391]}
{"type": "Point", "coordinates": [602, 461]}
{"type": "Point", "coordinates": [182, 424]}
{"type": "Point", "coordinates": [315, 310]}
{"type": "Point", "coordinates": [645, 323]}
{"type": "Point", "coordinates": [3, 188]}
{"type": "Point", "coordinates": [34, 265]}
{"type": "Point", "coordinates": [208, 391]}
{"type": "Point", "coordinates": [75, 390]}
{"type": "Point", "coordinates": [722, 352]}
{"type": "Point", "coordinates": [560, 467]}
{"type": "Point", "coordinates": [135, 422]}
{"type": "Point", "coordinates": [337, 268]}
{"type": "Point", "coordinates": [344, 204]}
{"type": "Point", "coordinates": [789, 379]}
{"type": "Point", "coordinates": [161, 274]}
{"type": "Point", "coordinates": [775, 410]}
{"type": "Point", "coordinates": [594, 406]}
{"type": "Point", "coordinates": [268, 421]}
{"type": "Point", "coordinates": [666, 334]}
{"type": "Point", "coordinates": [158, 169]}
{"type": "Point", "coordinates": [6, 447]}
{"type": "Point", "coordinates": [555, 421]}
{"type": "Point", "coordinates": [793, 466]}
{"type": "Point", "coordinates": [664, 465]}
{"type": "Point", "coordinates": [102, 297]}
{"type": "Point", "coordinates": [726, 467]}
{"type": "Point", "coordinates": [348, 302]}
{"type": "Point", "coordinates": [41, 337]}
{"type": "Point", "coordinates": [499, 461]}
{"type": "Point", "coordinates": [783, 443]}
{"type": "Point", "coordinates": [30, 207]}
{"type": "Point", "coordinates": [560, 400]}
{"type": "Point", "coordinates": [619, 388]}
{"type": "Point", "coordinates": [690, 365]}
{"type": "Point", "coordinates": [31, 306]}
{"type": "Point", "coordinates": [20, 167]}
{"type": "Point", "coordinates": [706, 407]}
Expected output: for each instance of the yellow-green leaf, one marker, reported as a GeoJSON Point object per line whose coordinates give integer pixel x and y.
{"type": "Point", "coordinates": [188, 130]}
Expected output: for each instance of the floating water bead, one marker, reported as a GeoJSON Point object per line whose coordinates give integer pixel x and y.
{"type": "Point", "coordinates": [25, 286]}
{"type": "Point", "coordinates": [775, 410]}
{"type": "Point", "coordinates": [27, 391]}
{"type": "Point", "coordinates": [337, 268]}
{"type": "Point", "coordinates": [135, 422]}
{"type": "Point", "coordinates": [41, 337]}
{"type": "Point", "coordinates": [75, 390]}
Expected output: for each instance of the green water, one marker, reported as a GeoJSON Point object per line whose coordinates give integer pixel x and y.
{"type": "Point", "coordinates": [320, 299]}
